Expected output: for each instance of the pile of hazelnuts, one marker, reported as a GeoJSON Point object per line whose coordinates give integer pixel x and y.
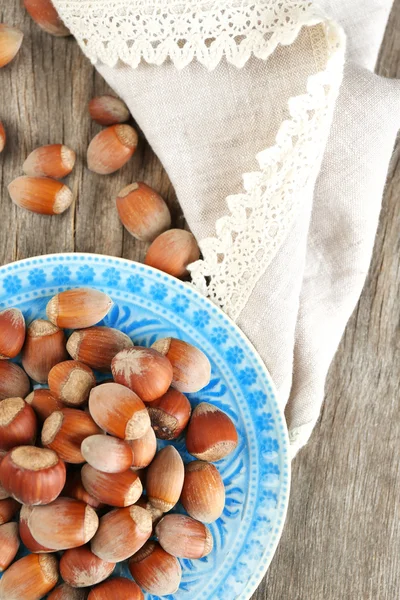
{"type": "Point", "coordinates": [76, 456]}
{"type": "Point", "coordinates": [142, 211]}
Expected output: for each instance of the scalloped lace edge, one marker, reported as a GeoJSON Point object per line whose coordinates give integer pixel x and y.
{"type": "Point", "coordinates": [260, 218]}
{"type": "Point", "coordinates": [184, 30]}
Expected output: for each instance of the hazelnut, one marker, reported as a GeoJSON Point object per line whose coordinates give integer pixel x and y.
{"type": "Point", "coordinates": [211, 434]}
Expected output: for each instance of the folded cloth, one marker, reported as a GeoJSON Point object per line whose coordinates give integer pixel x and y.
{"type": "Point", "coordinates": [280, 177]}
{"type": "Point", "coordinates": [346, 206]}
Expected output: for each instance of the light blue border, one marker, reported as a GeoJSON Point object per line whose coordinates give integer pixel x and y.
{"type": "Point", "coordinates": [148, 304]}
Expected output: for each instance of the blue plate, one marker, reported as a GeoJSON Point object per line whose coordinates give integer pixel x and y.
{"type": "Point", "coordinates": [150, 305]}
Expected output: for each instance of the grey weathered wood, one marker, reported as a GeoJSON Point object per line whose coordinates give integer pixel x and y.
{"type": "Point", "coordinates": [342, 538]}
{"type": "Point", "coordinates": [44, 94]}
{"type": "Point", "coordinates": [342, 534]}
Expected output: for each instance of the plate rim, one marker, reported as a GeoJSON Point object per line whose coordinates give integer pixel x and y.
{"type": "Point", "coordinates": [266, 559]}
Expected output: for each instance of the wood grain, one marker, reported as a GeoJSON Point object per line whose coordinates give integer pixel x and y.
{"type": "Point", "coordinates": [44, 96]}
{"type": "Point", "coordinates": [342, 536]}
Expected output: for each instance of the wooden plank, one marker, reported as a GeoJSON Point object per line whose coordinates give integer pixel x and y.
{"type": "Point", "coordinates": [34, 114]}
{"type": "Point", "coordinates": [342, 535]}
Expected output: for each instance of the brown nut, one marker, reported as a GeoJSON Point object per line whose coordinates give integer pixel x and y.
{"type": "Point", "coordinates": [191, 367]}
{"type": "Point", "coordinates": [165, 478]}
{"type": "Point", "coordinates": [155, 513]}
{"type": "Point", "coordinates": [46, 16]}
{"type": "Point", "coordinates": [3, 137]}
{"type": "Point", "coordinates": [121, 533]}
{"type": "Point", "coordinates": [172, 252]}
{"type": "Point", "coordinates": [110, 149]}
{"type": "Point", "coordinates": [119, 411]}
{"type": "Point", "coordinates": [9, 544]}
{"type": "Point", "coordinates": [32, 475]}
{"type": "Point", "coordinates": [14, 382]}
{"type": "Point", "coordinates": [44, 347]}
{"type": "Point", "coordinates": [63, 524]}
{"type": "Point", "coordinates": [144, 449]}
{"type": "Point", "coordinates": [3, 493]}
{"type": "Point", "coordinates": [203, 492]}
{"type": "Point", "coordinates": [211, 434]}
{"type": "Point", "coordinates": [74, 489]}
{"type": "Point", "coordinates": [41, 195]}
{"type": "Point", "coordinates": [143, 370]}
{"type": "Point", "coordinates": [12, 332]}
{"type": "Point", "coordinates": [184, 537]}
{"type": "Point", "coordinates": [169, 414]}
{"type": "Point", "coordinates": [78, 308]}
{"type": "Point", "coordinates": [55, 160]}
{"type": "Point", "coordinates": [108, 110]}
{"type": "Point", "coordinates": [67, 592]}
{"type": "Point", "coordinates": [142, 474]}
{"type": "Point", "coordinates": [118, 587]}
{"type": "Point", "coordinates": [71, 382]}
{"type": "Point", "coordinates": [30, 578]}
{"type": "Point", "coordinates": [64, 431]}
{"type": "Point", "coordinates": [107, 454]}
{"type": "Point", "coordinates": [156, 571]}
{"type": "Point", "coordinates": [114, 489]}
{"type": "Point", "coordinates": [81, 568]}
{"type": "Point", "coordinates": [18, 424]}
{"type": "Point", "coordinates": [97, 346]}
{"type": "Point", "coordinates": [25, 533]}
{"type": "Point", "coordinates": [44, 403]}
{"type": "Point", "coordinates": [8, 509]}
{"type": "Point", "coordinates": [10, 43]}
{"type": "Point", "coordinates": [143, 212]}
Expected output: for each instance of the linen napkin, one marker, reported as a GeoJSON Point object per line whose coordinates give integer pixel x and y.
{"type": "Point", "coordinates": [279, 175]}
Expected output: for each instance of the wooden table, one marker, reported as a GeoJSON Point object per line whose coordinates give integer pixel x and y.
{"type": "Point", "coordinates": [342, 536]}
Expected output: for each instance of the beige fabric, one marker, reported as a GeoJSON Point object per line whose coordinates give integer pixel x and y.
{"type": "Point", "coordinates": [206, 161]}
{"type": "Point", "coordinates": [344, 219]}
{"type": "Point", "coordinates": [207, 128]}
{"type": "Point", "coordinates": [364, 22]}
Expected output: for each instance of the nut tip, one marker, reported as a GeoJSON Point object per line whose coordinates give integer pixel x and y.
{"type": "Point", "coordinates": [134, 491]}
{"type": "Point", "coordinates": [91, 523]}
{"type": "Point", "coordinates": [30, 397]}
{"type": "Point", "coordinates": [208, 542]}
{"type": "Point", "coordinates": [204, 408]}
{"type": "Point", "coordinates": [126, 135]}
{"type": "Point", "coordinates": [63, 200]}
{"type": "Point", "coordinates": [52, 310]}
{"type": "Point", "coordinates": [9, 409]}
{"type": "Point", "coordinates": [68, 157]}
{"type": "Point", "coordinates": [162, 346]}
{"type": "Point", "coordinates": [49, 566]}
{"type": "Point", "coordinates": [162, 505]}
{"type": "Point", "coordinates": [51, 427]}
{"type": "Point", "coordinates": [33, 458]}
{"type": "Point", "coordinates": [128, 189]}
{"type": "Point", "coordinates": [41, 327]}
{"type": "Point", "coordinates": [138, 425]}
{"type": "Point", "coordinates": [141, 517]}
{"type": "Point", "coordinates": [74, 343]}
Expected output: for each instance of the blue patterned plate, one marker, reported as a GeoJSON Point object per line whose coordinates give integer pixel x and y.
{"type": "Point", "coordinates": [149, 305]}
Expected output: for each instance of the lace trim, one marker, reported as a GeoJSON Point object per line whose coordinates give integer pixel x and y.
{"type": "Point", "coordinates": [260, 218]}
{"type": "Point", "coordinates": [132, 30]}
